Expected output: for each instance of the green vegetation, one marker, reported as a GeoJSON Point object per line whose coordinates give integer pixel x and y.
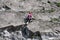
{"type": "Point", "coordinates": [49, 11]}
{"type": "Point", "coordinates": [55, 19]}
{"type": "Point", "coordinates": [52, 10]}
{"type": "Point", "coordinates": [57, 4]}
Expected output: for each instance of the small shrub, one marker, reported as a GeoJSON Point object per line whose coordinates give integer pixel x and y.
{"type": "Point", "coordinates": [54, 19]}
{"type": "Point", "coordinates": [52, 10]}
{"type": "Point", "coordinates": [57, 4]}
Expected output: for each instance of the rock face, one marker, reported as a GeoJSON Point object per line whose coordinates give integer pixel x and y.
{"type": "Point", "coordinates": [18, 33]}
{"type": "Point", "coordinates": [30, 5]}
{"type": "Point", "coordinates": [8, 18]}
{"type": "Point", "coordinates": [45, 26]}
{"type": "Point", "coordinates": [22, 5]}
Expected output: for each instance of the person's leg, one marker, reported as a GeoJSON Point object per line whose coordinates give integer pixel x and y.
{"type": "Point", "coordinates": [25, 20]}
{"type": "Point", "coordinates": [29, 20]}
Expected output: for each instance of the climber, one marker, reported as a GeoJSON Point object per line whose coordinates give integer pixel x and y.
{"type": "Point", "coordinates": [29, 17]}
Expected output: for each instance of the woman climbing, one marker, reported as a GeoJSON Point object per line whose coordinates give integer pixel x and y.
{"type": "Point", "coordinates": [29, 17]}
